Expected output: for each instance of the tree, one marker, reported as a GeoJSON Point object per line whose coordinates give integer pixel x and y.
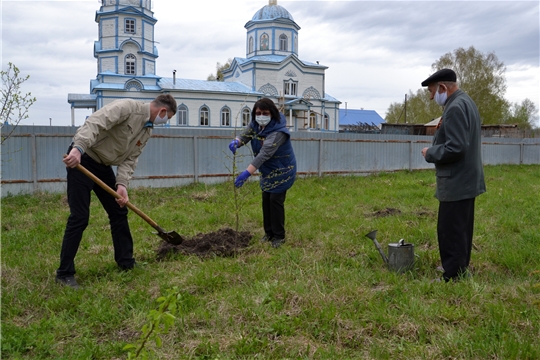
{"type": "Point", "coordinates": [417, 110]}
{"type": "Point", "coordinates": [14, 105]}
{"type": "Point", "coordinates": [482, 76]}
{"type": "Point", "coordinates": [219, 71]}
{"type": "Point", "coordinates": [524, 115]}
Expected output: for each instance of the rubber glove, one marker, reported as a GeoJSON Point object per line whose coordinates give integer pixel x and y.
{"type": "Point", "coordinates": [234, 145]}
{"type": "Point", "coordinates": [241, 179]}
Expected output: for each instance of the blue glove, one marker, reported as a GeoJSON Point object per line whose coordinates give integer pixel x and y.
{"type": "Point", "coordinates": [241, 179]}
{"type": "Point", "coordinates": [234, 145]}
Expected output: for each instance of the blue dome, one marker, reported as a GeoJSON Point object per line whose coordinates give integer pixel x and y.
{"type": "Point", "coordinates": [272, 11]}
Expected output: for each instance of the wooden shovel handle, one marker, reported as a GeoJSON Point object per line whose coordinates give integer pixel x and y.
{"type": "Point", "coordinates": [116, 195]}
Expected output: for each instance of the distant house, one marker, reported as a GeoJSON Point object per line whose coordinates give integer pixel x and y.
{"type": "Point", "coordinates": [353, 120]}
{"type": "Point", "coordinates": [493, 130]}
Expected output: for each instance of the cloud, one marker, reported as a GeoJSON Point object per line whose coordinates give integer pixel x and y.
{"type": "Point", "coordinates": [376, 51]}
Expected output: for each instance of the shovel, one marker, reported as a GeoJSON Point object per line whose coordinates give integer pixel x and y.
{"type": "Point", "coordinates": [171, 236]}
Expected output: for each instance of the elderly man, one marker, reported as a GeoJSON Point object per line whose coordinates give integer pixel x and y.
{"type": "Point", "coordinates": [114, 135]}
{"type": "Point", "coordinates": [457, 155]}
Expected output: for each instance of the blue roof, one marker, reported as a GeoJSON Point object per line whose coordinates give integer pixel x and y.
{"type": "Point", "coordinates": [274, 59]}
{"type": "Point", "coordinates": [205, 85]}
{"type": "Point", "coordinates": [353, 117]}
{"type": "Point", "coordinates": [271, 12]}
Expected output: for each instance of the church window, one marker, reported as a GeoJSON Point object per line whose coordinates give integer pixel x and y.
{"type": "Point", "coordinates": [264, 42]}
{"type": "Point", "coordinates": [129, 26]}
{"type": "Point", "coordinates": [289, 87]}
{"type": "Point", "coordinates": [246, 117]}
{"type": "Point", "coordinates": [312, 120]}
{"type": "Point", "coordinates": [326, 124]}
{"type": "Point", "coordinates": [225, 117]}
{"type": "Point", "coordinates": [182, 115]}
{"type": "Point", "coordinates": [204, 115]}
{"type": "Point", "coordinates": [130, 64]}
{"type": "Point", "coordinates": [283, 42]}
{"type": "Point", "coordinates": [250, 44]}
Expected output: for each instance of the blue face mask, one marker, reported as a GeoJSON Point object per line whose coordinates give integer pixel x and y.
{"type": "Point", "coordinates": [440, 98]}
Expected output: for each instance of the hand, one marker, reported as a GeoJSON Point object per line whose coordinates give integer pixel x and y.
{"type": "Point", "coordinates": [241, 179]}
{"type": "Point", "coordinates": [122, 191]}
{"type": "Point", "coordinates": [235, 144]}
{"type": "Point", "coordinates": [73, 158]}
{"type": "Point", "coordinates": [424, 150]}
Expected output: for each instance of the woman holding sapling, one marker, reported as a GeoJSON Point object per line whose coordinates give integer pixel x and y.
{"type": "Point", "coordinates": [274, 157]}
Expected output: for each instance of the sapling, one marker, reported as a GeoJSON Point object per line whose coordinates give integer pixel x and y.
{"type": "Point", "coordinates": [158, 323]}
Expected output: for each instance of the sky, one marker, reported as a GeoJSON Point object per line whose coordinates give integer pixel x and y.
{"type": "Point", "coordinates": [375, 51]}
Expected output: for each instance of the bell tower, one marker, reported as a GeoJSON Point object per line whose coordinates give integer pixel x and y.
{"type": "Point", "coordinates": [125, 50]}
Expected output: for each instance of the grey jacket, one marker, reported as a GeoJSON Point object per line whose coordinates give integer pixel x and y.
{"type": "Point", "coordinates": [116, 135]}
{"type": "Point", "coordinates": [457, 150]}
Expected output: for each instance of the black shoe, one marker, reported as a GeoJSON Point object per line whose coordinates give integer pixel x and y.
{"type": "Point", "coordinates": [135, 265]}
{"type": "Point", "coordinates": [277, 242]}
{"type": "Point", "coordinates": [267, 237]}
{"type": "Point", "coordinates": [68, 281]}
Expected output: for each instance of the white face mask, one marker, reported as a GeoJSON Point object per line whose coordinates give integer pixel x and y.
{"type": "Point", "coordinates": [263, 120]}
{"type": "Point", "coordinates": [440, 98]}
{"type": "Point", "coordinates": [160, 120]}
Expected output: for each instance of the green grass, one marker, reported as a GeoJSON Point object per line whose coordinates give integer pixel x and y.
{"type": "Point", "coordinates": [325, 294]}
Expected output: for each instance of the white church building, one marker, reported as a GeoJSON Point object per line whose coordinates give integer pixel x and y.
{"type": "Point", "coordinates": [126, 56]}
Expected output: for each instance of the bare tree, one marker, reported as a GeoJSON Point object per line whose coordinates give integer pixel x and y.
{"type": "Point", "coordinates": [14, 104]}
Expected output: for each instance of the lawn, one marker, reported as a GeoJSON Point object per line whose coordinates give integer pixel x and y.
{"type": "Point", "coordinates": [325, 294]}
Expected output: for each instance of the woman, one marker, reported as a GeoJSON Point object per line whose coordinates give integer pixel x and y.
{"type": "Point", "coordinates": [274, 157]}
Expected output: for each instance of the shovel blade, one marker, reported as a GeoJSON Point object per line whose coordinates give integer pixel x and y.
{"type": "Point", "coordinates": [172, 237]}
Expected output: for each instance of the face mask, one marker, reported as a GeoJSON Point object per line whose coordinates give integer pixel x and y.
{"type": "Point", "coordinates": [440, 98]}
{"type": "Point", "coordinates": [263, 120]}
{"type": "Point", "coordinates": [161, 120]}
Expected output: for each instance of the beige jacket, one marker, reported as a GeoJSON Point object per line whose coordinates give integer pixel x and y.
{"type": "Point", "coordinates": [116, 135]}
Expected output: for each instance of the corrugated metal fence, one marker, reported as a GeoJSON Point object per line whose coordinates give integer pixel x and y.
{"type": "Point", "coordinates": [32, 156]}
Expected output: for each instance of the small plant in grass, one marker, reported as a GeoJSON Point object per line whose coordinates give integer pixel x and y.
{"type": "Point", "coordinates": [159, 323]}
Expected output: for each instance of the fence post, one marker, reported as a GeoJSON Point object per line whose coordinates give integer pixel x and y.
{"type": "Point", "coordinates": [521, 151]}
{"type": "Point", "coordinates": [410, 154]}
{"type": "Point", "coordinates": [320, 157]}
{"type": "Point", "coordinates": [195, 160]}
{"type": "Point", "coordinates": [34, 163]}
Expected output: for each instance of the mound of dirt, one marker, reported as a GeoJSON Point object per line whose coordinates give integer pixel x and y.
{"type": "Point", "coordinates": [386, 212]}
{"type": "Point", "coordinates": [224, 242]}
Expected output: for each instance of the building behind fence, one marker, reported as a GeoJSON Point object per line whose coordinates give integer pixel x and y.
{"type": "Point", "coordinates": [32, 156]}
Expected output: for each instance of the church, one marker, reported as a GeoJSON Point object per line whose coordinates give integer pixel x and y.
{"type": "Point", "coordinates": [126, 56]}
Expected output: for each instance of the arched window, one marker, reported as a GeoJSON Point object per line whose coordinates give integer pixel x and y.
{"type": "Point", "coordinates": [246, 117]}
{"type": "Point", "coordinates": [312, 120]}
{"type": "Point", "coordinates": [182, 115]}
{"type": "Point", "coordinates": [250, 45]}
{"type": "Point", "coordinates": [225, 117]}
{"type": "Point", "coordinates": [326, 125]}
{"type": "Point", "coordinates": [283, 42]}
{"type": "Point", "coordinates": [130, 65]}
{"type": "Point", "coordinates": [204, 115]}
{"type": "Point", "coordinates": [289, 87]}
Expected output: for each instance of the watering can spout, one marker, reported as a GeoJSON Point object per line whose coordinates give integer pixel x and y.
{"type": "Point", "coordinates": [372, 235]}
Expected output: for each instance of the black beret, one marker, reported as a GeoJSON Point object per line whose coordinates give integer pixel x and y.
{"type": "Point", "coordinates": [441, 75]}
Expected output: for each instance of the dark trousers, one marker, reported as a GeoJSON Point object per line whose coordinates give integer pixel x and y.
{"type": "Point", "coordinates": [455, 232]}
{"type": "Point", "coordinates": [273, 206]}
{"type": "Point", "coordinates": [79, 187]}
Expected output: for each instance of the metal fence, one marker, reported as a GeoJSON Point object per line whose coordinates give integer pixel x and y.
{"type": "Point", "coordinates": [32, 156]}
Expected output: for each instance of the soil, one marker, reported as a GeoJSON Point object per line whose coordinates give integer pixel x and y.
{"type": "Point", "coordinates": [386, 212]}
{"type": "Point", "coordinates": [225, 242]}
